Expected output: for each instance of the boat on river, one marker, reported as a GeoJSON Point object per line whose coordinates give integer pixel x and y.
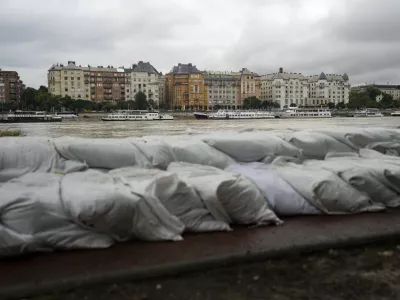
{"type": "Point", "coordinates": [67, 115]}
{"type": "Point", "coordinates": [137, 115]}
{"type": "Point", "coordinates": [235, 115]}
{"type": "Point", "coordinates": [395, 113]}
{"type": "Point", "coordinates": [367, 113]}
{"type": "Point", "coordinates": [20, 116]}
{"type": "Point", "coordinates": [305, 112]}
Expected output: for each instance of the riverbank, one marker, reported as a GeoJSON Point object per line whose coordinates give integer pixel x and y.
{"type": "Point", "coordinates": [370, 272]}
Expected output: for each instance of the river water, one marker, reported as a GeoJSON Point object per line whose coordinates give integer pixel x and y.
{"type": "Point", "coordinates": [92, 128]}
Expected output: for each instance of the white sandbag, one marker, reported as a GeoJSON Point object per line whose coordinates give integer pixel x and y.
{"type": "Point", "coordinates": [252, 147]}
{"type": "Point", "coordinates": [107, 204]}
{"type": "Point", "coordinates": [325, 190]}
{"type": "Point", "coordinates": [101, 153]}
{"type": "Point", "coordinates": [21, 155]}
{"type": "Point", "coordinates": [229, 197]}
{"type": "Point", "coordinates": [363, 178]}
{"type": "Point", "coordinates": [316, 145]}
{"type": "Point", "coordinates": [281, 197]}
{"type": "Point", "coordinates": [387, 148]}
{"type": "Point", "coordinates": [31, 206]}
{"type": "Point", "coordinates": [333, 155]}
{"type": "Point", "coordinates": [158, 153]}
{"type": "Point", "coordinates": [360, 138]}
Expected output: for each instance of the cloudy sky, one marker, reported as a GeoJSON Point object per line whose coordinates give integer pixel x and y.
{"type": "Point", "coordinates": [360, 37]}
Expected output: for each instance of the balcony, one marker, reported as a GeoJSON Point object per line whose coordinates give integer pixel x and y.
{"type": "Point", "coordinates": [108, 97]}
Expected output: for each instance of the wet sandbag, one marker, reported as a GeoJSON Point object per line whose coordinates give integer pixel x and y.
{"type": "Point", "coordinates": [363, 178]}
{"type": "Point", "coordinates": [325, 190]}
{"type": "Point", "coordinates": [281, 197]}
{"type": "Point", "coordinates": [107, 204]}
{"type": "Point", "coordinates": [21, 155]}
{"type": "Point", "coordinates": [158, 153]}
{"type": "Point", "coordinates": [252, 146]}
{"type": "Point", "coordinates": [178, 197]}
{"type": "Point", "coordinates": [101, 153]}
{"type": "Point", "coordinates": [387, 148]}
{"type": "Point", "coordinates": [229, 197]}
{"type": "Point", "coordinates": [31, 208]}
{"type": "Point", "coordinates": [316, 145]}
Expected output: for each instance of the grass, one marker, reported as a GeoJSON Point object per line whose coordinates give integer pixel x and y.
{"type": "Point", "coordinates": [7, 132]}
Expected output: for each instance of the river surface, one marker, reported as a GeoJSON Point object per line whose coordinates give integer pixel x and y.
{"type": "Point", "coordinates": [99, 129]}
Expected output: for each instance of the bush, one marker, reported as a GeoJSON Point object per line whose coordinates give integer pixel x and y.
{"type": "Point", "coordinates": [6, 132]}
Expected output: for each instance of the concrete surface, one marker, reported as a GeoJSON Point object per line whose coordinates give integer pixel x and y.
{"type": "Point", "coordinates": [62, 271]}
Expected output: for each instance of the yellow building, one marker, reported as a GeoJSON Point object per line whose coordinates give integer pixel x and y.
{"type": "Point", "coordinates": [185, 88]}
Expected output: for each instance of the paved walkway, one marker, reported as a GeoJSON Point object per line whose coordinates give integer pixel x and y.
{"type": "Point", "coordinates": [139, 260]}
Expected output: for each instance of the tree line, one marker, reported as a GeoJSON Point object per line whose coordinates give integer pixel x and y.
{"type": "Point", "coordinates": [41, 99]}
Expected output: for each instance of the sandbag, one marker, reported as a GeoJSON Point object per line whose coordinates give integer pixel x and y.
{"type": "Point", "coordinates": [158, 153]}
{"type": "Point", "coordinates": [387, 148]}
{"type": "Point", "coordinates": [107, 204]}
{"type": "Point", "coordinates": [252, 147]}
{"type": "Point", "coordinates": [363, 178]}
{"type": "Point", "coordinates": [316, 145]}
{"type": "Point", "coordinates": [101, 153]}
{"type": "Point", "coordinates": [281, 197]}
{"type": "Point", "coordinates": [229, 197]}
{"type": "Point", "coordinates": [21, 155]}
{"type": "Point", "coordinates": [31, 207]}
{"type": "Point", "coordinates": [178, 197]}
{"type": "Point", "coordinates": [325, 190]}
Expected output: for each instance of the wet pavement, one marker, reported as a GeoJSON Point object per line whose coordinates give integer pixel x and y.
{"type": "Point", "coordinates": [138, 260]}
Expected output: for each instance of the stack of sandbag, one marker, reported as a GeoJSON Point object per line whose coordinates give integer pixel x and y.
{"type": "Point", "coordinates": [229, 197]}
{"type": "Point", "coordinates": [366, 176]}
{"type": "Point", "coordinates": [252, 146]}
{"type": "Point", "coordinates": [325, 190]}
{"type": "Point", "coordinates": [280, 195]}
{"type": "Point", "coordinates": [21, 155]}
{"type": "Point", "coordinates": [105, 203]}
{"type": "Point", "coordinates": [32, 218]}
{"type": "Point", "coordinates": [178, 197]}
{"type": "Point", "coordinates": [192, 150]}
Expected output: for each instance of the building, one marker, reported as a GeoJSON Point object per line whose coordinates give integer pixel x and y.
{"type": "Point", "coordinates": [393, 90]}
{"type": "Point", "coordinates": [288, 88]}
{"type": "Point", "coordinates": [326, 88]}
{"type": "Point", "coordinates": [145, 78]}
{"type": "Point", "coordinates": [250, 84]}
{"type": "Point", "coordinates": [223, 89]}
{"type": "Point", "coordinates": [162, 90]}
{"type": "Point", "coordinates": [185, 88]}
{"type": "Point", "coordinates": [285, 88]}
{"type": "Point", "coordinates": [10, 87]}
{"type": "Point", "coordinates": [87, 83]}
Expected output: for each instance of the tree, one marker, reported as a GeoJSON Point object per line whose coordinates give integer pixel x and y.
{"type": "Point", "coordinates": [152, 103]}
{"type": "Point", "coordinates": [141, 101]}
{"type": "Point", "coordinates": [373, 92]}
{"type": "Point", "coordinates": [331, 105]}
{"type": "Point", "coordinates": [292, 105]}
{"type": "Point", "coordinates": [251, 103]}
{"type": "Point", "coordinates": [340, 105]}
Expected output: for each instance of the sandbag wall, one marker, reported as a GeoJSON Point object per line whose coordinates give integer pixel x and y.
{"type": "Point", "coordinates": [73, 193]}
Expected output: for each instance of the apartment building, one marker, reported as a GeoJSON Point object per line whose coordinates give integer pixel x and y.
{"type": "Point", "coordinates": [223, 89]}
{"type": "Point", "coordinates": [250, 84]}
{"type": "Point", "coordinates": [162, 89]}
{"type": "Point", "coordinates": [145, 78]}
{"type": "Point", "coordinates": [393, 90]}
{"type": "Point", "coordinates": [10, 87]}
{"type": "Point", "coordinates": [87, 83]}
{"type": "Point", "coordinates": [185, 88]}
{"type": "Point", "coordinates": [288, 88]}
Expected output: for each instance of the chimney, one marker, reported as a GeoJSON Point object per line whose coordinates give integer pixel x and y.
{"type": "Point", "coordinates": [71, 62]}
{"type": "Point", "coordinates": [179, 64]}
{"type": "Point", "coordinates": [280, 70]}
{"type": "Point", "coordinates": [190, 64]}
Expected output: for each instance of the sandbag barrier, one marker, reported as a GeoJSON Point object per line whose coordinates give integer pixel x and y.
{"type": "Point", "coordinates": [73, 193]}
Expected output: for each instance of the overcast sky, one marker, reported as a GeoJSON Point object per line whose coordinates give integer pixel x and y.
{"type": "Point", "coordinates": [360, 37]}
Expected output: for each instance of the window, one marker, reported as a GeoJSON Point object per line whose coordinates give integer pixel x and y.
{"type": "Point", "coordinates": [65, 78]}
{"type": "Point", "coordinates": [78, 78]}
{"type": "Point", "coordinates": [72, 78]}
{"type": "Point", "coordinates": [66, 89]}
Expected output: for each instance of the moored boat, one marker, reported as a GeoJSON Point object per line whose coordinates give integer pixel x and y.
{"type": "Point", "coordinates": [28, 117]}
{"type": "Point", "coordinates": [306, 112]}
{"type": "Point", "coordinates": [395, 113]}
{"type": "Point", "coordinates": [235, 115]}
{"type": "Point", "coordinates": [201, 116]}
{"type": "Point", "coordinates": [68, 115]}
{"type": "Point", "coordinates": [137, 115]}
{"type": "Point", "coordinates": [367, 113]}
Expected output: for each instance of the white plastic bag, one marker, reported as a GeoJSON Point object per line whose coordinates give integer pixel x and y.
{"type": "Point", "coordinates": [21, 155]}
{"type": "Point", "coordinates": [107, 204]}
{"type": "Point", "coordinates": [252, 147]}
{"type": "Point", "coordinates": [281, 197]}
{"type": "Point", "coordinates": [229, 197]}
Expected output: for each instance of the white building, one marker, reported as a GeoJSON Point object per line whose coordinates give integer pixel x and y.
{"type": "Point", "coordinates": [143, 77]}
{"type": "Point", "coordinates": [223, 89]}
{"type": "Point", "coordinates": [295, 88]}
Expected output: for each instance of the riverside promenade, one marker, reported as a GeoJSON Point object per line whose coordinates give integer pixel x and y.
{"type": "Point", "coordinates": [62, 271]}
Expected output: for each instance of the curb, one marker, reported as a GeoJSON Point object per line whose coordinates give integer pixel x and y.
{"type": "Point", "coordinates": [59, 286]}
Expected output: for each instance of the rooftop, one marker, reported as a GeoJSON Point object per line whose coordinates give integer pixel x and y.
{"type": "Point", "coordinates": [185, 69]}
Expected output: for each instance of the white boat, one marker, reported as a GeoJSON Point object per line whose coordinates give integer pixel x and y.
{"type": "Point", "coordinates": [20, 116]}
{"type": "Point", "coordinates": [306, 112]}
{"type": "Point", "coordinates": [67, 115]}
{"type": "Point", "coordinates": [137, 115]}
{"type": "Point", "coordinates": [368, 113]}
{"type": "Point", "coordinates": [395, 113]}
{"type": "Point", "coordinates": [237, 115]}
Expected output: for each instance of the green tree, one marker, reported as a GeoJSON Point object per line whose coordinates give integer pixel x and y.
{"type": "Point", "coordinates": [386, 101]}
{"type": "Point", "coordinates": [341, 105]}
{"type": "Point", "coordinates": [292, 105]}
{"type": "Point", "coordinates": [331, 105]}
{"type": "Point", "coordinates": [251, 103]}
{"type": "Point", "coordinates": [152, 103]}
{"type": "Point", "coordinates": [141, 101]}
{"type": "Point", "coordinates": [373, 92]}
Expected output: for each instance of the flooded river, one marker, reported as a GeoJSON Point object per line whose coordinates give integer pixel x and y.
{"type": "Point", "coordinates": [95, 128]}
